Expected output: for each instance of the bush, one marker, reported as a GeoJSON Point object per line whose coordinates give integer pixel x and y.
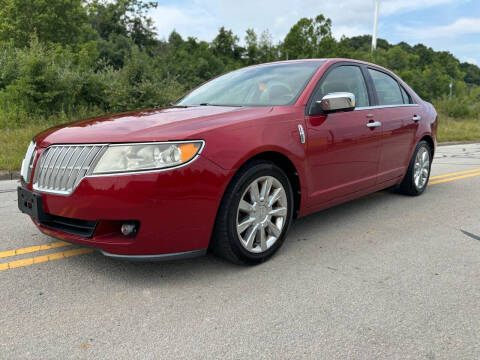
{"type": "Point", "coordinates": [47, 81]}
{"type": "Point", "coordinates": [456, 107]}
{"type": "Point", "coordinates": [139, 84]}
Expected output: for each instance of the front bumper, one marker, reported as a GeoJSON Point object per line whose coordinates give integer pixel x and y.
{"type": "Point", "coordinates": [175, 209]}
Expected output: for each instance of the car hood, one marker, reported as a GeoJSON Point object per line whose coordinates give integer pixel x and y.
{"type": "Point", "coordinates": [173, 123]}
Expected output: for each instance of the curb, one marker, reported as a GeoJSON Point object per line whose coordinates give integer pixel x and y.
{"type": "Point", "coordinates": [9, 175]}
{"type": "Point", "coordinates": [445, 143]}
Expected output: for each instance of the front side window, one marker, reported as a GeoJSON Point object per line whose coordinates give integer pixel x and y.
{"type": "Point", "coordinates": [345, 78]}
{"type": "Point", "coordinates": [267, 85]}
{"type": "Point", "coordinates": [388, 90]}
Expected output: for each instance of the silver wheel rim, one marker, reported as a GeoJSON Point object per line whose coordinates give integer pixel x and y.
{"type": "Point", "coordinates": [421, 168]}
{"type": "Point", "coordinates": [261, 214]}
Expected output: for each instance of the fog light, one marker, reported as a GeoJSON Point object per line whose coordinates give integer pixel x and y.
{"type": "Point", "coordinates": [128, 228]}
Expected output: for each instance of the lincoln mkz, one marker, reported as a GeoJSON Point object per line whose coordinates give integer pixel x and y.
{"type": "Point", "coordinates": [232, 163]}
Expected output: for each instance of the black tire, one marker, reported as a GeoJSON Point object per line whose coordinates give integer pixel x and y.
{"type": "Point", "coordinates": [408, 186]}
{"type": "Point", "coordinates": [225, 240]}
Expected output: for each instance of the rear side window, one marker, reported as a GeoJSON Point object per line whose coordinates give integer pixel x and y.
{"type": "Point", "coordinates": [345, 78]}
{"type": "Point", "coordinates": [388, 90]}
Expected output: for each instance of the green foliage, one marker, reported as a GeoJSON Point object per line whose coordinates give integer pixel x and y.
{"type": "Point", "coordinates": [59, 21]}
{"type": "Point", "coordinates": [454, 107]}
{"type": "Point", "coordinates": [307, 38]}
{"type": "Point", "coordinates": [139, 84]}
{"type": "Point", "coordinates": [61, 58]}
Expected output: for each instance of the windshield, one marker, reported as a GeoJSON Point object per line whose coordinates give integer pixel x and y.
{"type": "Point", "coordinates": [276, 84]}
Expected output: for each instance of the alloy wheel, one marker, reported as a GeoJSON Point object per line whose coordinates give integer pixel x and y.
{"type": "Point", "coordinates": [421, 168]}
{"type": "Point", "coordinates": [261, 214]}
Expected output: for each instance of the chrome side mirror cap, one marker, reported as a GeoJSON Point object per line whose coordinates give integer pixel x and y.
{"type": "Point", "coordinates": [337, 101]}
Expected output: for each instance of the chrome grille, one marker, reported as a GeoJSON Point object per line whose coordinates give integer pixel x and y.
{"type": "Point", "coordinates": [60, 168]}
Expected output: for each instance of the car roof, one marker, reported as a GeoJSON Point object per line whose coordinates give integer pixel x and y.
{"type": "Point", "coordinates": [325, 60]}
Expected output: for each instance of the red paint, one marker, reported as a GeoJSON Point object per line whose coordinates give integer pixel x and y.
{"type": "Point", "coordinates": [341, 159]}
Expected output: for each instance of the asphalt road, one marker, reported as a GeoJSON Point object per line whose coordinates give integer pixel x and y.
{"type": "Point", "coordinates": [382, 277]}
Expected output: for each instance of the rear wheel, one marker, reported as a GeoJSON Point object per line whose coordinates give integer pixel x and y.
{"type": "Point", "coordinates": [418, 173]}
{"type": "Point", "coordinates": [255, 214]}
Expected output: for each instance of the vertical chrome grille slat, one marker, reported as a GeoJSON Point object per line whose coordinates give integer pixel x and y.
{"type": "Point", "coordinates": [51, 171]}
{"type": "Point", "coordinates": [64, 164]}
{"type": "Point", "coordinates": [50, 152]}
{"type": "Point", "coordinates": [80, 168]}
{"type": "Point", "coordinates": [78, 151]}
{"type": "Point", "coordinates": [74, 171]}
{"type": "Point", "coordinates": [60, 168]}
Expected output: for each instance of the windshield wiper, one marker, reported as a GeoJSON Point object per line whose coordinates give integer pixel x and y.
{"type": "Point", "coordinates": [225, 105]}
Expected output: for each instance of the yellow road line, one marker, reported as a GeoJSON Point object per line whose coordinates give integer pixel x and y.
{"type": "Point", "coordinates": [454, 173]}
{"type": "Point", "coordinates": [31, 249]}
{"type": "Point", "coordinates": [44, 258]}
{"type": "Point", "coordinates": [453, 178]}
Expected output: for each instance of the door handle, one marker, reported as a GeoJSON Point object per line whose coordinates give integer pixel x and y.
{"type": "Point", "coordinates": [374, 124]}
{"type": "Point", "coordinates": [416, 118]}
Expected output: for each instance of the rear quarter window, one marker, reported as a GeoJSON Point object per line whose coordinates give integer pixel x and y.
{"type": "Point", "coordinates": [406, 98]}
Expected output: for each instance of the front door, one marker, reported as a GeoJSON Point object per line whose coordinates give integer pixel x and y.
{"type": "Point", "coordinates": [342, 151]}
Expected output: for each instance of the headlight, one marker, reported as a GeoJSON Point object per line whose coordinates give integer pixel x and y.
{"type": "Point", "coordinates": [146, 156]}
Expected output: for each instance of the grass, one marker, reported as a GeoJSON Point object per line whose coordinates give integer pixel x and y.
{"type": "Point", "coordinates": [14, 145]}
{"type": "Point", "coordinates": [15, 141]}
{"type": "Point", "coordinates": [458, 130]}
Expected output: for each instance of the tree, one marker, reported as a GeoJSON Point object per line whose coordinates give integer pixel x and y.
{"type": "Point", "coordinates": [123, 17]}
{"type": "Point", "coordinates": [472, 73]}
{"type": "Point", "coordinates": [226, 44]}
{"type": "Point", "coordinates": [251, 41]}
{"type": "Point", "coordinates": [56, 21]}
{"type": "Point", "coordinates": [119, 25]}
{"type": "Point", "coordinates": [267, 51]}
{"type": "Point", "coordinates": [304, 38]}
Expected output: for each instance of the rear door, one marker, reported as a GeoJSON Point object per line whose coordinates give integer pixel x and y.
{"type": "Point", "coordinates": [399, 118]}
{"type": "Point", "coordinates": [342, 151]}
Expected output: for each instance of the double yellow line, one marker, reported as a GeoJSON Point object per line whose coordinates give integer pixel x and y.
{"type": "Point", "coordinates": [453, 176]}
{"type": "Point", "coordinates": [42, 258]}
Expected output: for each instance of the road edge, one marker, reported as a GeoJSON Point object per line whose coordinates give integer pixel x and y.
{"type": "Point", "coordinates": [9, 175]}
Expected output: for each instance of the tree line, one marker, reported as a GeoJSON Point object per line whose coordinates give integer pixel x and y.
{"type": "Point", "coordinates": [62, 58]}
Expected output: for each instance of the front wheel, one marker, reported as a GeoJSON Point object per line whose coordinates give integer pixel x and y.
{"type": "Point", "coordinates": [418, 172]}
{"type": "Point", "coordinates": [255, 214]}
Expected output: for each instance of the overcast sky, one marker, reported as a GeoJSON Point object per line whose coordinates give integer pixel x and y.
{"type": "Point", "coordinates": [452, 25]}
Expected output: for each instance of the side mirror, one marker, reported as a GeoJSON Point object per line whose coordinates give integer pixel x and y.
{"type": "Point", "coordinates": [337, 101]}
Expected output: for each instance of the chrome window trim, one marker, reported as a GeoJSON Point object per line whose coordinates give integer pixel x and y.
{"type": "Point", "coordinates": [384, 106]}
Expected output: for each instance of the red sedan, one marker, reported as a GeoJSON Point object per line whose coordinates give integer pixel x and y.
{"type": "Point", "coordinates": [230, 164]}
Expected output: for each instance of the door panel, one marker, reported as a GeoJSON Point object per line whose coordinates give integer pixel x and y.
{"type": "Point", "coordinates": [343, 154]}
{"type": "Point", "coordinates": [399, 128]}
{"type": "Point", "coordinates": [397, 140]}
{"type": "Point", "coordinates": [342, 151]}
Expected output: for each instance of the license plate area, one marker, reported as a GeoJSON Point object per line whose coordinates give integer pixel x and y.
{"type": "Point", "coordinates": [31, 204]}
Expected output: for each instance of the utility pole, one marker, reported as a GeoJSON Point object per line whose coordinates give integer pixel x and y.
{"type": "Point", "coordinates": [375, 24]}
{"type": "Point", "coordinates": [451, 87]}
